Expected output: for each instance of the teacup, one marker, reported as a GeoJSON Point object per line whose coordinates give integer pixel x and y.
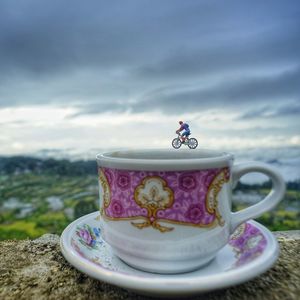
{"type": "Point", "coordinates": [168, 211]}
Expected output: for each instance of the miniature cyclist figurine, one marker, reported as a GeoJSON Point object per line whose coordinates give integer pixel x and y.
{"type": "Point", "coordinates": [184, 138]}
{"type": "Point", "coordinates": [186, 128]}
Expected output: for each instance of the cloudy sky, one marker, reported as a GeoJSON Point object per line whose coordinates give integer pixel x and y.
{"type": "Point", "coordinates": [88, 75]}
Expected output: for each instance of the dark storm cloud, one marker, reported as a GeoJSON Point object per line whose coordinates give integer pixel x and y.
{"type": "Point", "coordinates": [288, 110]}
{"type": "Point", "coordinates": [264, 93]}
{"type": "Point", "coordinates": [42, 36]}
{"type": "Point", "coordinates": [233, 55]}
{"type": "Point", "coordinates": [239, 92]}
{"type": "Point", "coordinates": [141, 55]}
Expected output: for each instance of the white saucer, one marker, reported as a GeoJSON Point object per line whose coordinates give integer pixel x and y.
{"type": "Point", "coordinates": [251, 250]}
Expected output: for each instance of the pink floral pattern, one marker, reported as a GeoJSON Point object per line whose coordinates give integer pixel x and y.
{"type": "Point", "coordinates": [194, 212]}
{"type": "Point", "coordinates": [87, 236]}
{"type": "Point", "coordinates": [123, 180]}
{"type": "Point", "coordinates": [117, 208]}
{"type": "Point", "coordinates": [248, 242]}
{"type": "Point", "coordinates": [189, 191]}
{"type": "Point", "coordinates": [187, 182]}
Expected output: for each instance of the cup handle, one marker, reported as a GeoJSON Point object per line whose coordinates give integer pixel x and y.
{"type": "Point", "coordinates": [269, 202]}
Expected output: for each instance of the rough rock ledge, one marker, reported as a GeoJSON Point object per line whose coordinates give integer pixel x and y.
{"type": "Point", "coordinates": [36, 269]}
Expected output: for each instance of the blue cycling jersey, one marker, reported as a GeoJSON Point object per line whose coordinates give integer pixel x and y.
{"type": "Point", "coordinates": [185, 126]}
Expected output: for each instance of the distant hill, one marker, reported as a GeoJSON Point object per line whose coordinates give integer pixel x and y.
{"type": "Point", "coordinates": [25, 164]}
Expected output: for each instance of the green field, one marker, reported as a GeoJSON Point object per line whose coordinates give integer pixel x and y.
{"type": "Point", "coordinates": [25, 211]}
{"type": "Point", "coordinates": [286, 216]}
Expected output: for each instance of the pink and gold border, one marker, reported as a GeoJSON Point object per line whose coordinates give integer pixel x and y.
{"type": "Point", "coordinates": [168, 197]}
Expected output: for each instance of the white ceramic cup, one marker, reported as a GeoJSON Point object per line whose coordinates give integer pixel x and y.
{"type": "Point", "coordinates": [168, 211]}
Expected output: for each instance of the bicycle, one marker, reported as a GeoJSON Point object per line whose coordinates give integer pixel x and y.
{"type": "Point", "coordinates": [192, 143]}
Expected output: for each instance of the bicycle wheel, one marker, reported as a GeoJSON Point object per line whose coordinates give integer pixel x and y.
{"type": "Point", "coordinates": [193, 143]}
{"type": "Point", "coordinates": [176, 143]}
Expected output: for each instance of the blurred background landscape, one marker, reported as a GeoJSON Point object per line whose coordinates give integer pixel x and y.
{"type": "Point", "coordinates": [40, 196]}
{"type": "Point", "coordinates": [78, 78]}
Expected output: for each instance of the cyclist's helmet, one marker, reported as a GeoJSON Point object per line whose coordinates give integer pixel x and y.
{"type": "Point", "coordinates": [180, 122]}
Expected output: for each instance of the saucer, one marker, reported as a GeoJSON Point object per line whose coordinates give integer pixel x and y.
{"type": "Point", "coordinates": [251, 250]}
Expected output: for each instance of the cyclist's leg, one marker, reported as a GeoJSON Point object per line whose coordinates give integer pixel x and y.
{"type": "Point", "coordinates": [188, 134]}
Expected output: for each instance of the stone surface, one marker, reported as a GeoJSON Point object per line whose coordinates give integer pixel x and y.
{"type": "Point", "coordinates": [35, 269]}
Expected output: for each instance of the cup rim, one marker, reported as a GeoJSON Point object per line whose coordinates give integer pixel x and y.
{"type": "Point", "coordinates": [181, 159]}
